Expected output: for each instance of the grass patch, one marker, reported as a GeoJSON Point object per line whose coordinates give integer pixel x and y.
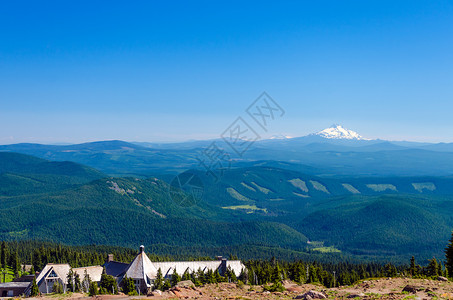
{"type": "Point", "coordinates": [248, 208]}
{"type": "Point", "coordinates": [236, 195]}
{"type": "Point", "coordinates": [330, 249]}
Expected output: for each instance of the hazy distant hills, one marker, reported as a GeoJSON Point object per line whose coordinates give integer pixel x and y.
{"type": "Point", "coordinates": [365, 197]}
{"type": "Point", "coordinates": [329, 155]}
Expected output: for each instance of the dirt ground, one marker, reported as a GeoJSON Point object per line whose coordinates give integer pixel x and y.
{"type": "Point", "coordinates": [390, 288]}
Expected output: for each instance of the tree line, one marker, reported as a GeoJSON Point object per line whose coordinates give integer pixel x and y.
{"type": "Point", "coordinates": [257, 272]}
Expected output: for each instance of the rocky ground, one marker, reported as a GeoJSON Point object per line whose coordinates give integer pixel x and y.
{"type": "Point", "coordinates": [390, 288]}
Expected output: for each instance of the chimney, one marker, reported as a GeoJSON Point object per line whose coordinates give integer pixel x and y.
{"type": "Point", "coordinates": [109, 257]}
{"type": "Point", "coordinates": [223, 266]}
{"type": "Point", "coordinates": [142, 249]}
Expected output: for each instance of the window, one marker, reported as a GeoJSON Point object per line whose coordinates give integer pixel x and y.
{"type": "Point", "coordinates": [52, 274]}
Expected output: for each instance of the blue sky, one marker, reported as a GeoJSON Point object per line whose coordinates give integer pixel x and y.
{"type": "Point", "coordinates": [76, 71]}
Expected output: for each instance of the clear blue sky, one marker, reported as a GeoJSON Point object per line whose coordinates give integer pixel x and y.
{"type": "Point", "coordinates": [74, 71]}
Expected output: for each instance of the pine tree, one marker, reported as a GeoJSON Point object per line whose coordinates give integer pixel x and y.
{"type": "Point", "coordinates": [57, 288]}
{"type": "Point", "coordinates": [167, 285]}
{"type": "Point", "coordinates": [4, 255]}
{"type": "Point", "coordinates": [37, 260]}
{"type": "Point", "coordinates": [218, 277]}
{"type": "Point", "coordinates": [34, 288]}
{"type": "Point", "coordinates": [186, 275]}
{"type": "Point", "coordinates": [70, 280]}
{"type": "Point", "coordinates": [433, 267]}
{"type": "Point", "coordinates": [16, 264]}
{"type": "Point", "coordinates": [93, 290]}
{"type": "Point", "coordinates": [108, 284]}
{"type": "Point", "coordinates": [86, 282]}
{"type": "Point", "coordinates": [210, 277]}
{"type": "Point", "coordinates": [449, 256]}
{"type": "Point", "coordinates": [77, 283]}
{"type": "Point", "coordinates": [276, 273]}
{"type": "Point", "coordinates": [128, 286]}
{"type": "Point", "coordinates": [159, 281]}
{"type": "Point", "coordinates": [175, 278]}
{"type": "Point", "coordinates": [195, 279]}
{"type": "Point", "coordinates": [412, 269]}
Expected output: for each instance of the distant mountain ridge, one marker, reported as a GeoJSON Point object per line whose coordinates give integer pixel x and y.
{"type": "Point", "coordinates": [332, 151]}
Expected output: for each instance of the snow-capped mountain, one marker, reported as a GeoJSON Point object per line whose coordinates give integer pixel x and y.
{"type": "Point", "coordinates": [339, 132]}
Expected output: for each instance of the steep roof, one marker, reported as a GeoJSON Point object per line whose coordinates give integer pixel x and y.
{"type": "Point", "coordinates": [61, 270]}
{"type": "Point", "coordinates": [115, 268]}
{"type": "Point", "coordinates": [141, 267]}
{"type": "Point", "coordinates": [95, 272]}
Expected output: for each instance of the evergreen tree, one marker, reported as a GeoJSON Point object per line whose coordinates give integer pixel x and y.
{"type": "Point", "coordinates": [4, 255]}
{"type": "Point", "coordinates": [276, 273]}
{"type": "Point", "coordinates": [70, 279]}
{"type": "Point", "coordinates": [86, 283]}
{"type": "Point", "coordinates": [167, 285]}
{"type": "Point", "coordinates": [77, 283]}
{"type": "Point", "coordinates": [195, 279]}
{"type": "Point", "coordinates": [449, 256]}
{"type": "Point", "coordinates": [390, 270]}
{"type": "Point", "coordinates": [57, 287]}
{"type": "Point", "coordinates": [210, 277]}
{"type": "Point", "coordinates": [412, 268]}
{"type": "Point", "coordinates": [186, 275]}
{"type": "Point", "coordinates": [175, 278]}
{"type": "Point", "coordinates": [201, 276]}
{"type": "Point", "coordinates": [233, 277]}
{"type": "Point", "coordinates": [15, 264]}
{"type": "Point", "coordinates": [159, 281]}
{"type": "Point", "coordinates": [34, 288]}
{"type": "Point", "coordinates": [93, 289]}
{"type": "Point", "coordinates": [129, 286]}
{"type": "Point", "coordinates": [218, 277]}
{"type": "Point", "coordinates": [108, 284]}
{"type": "Point", "coordinates": [37, 260]}
{"type": "Point", "coordinates": [432, 268]}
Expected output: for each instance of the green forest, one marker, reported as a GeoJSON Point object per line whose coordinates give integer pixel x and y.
{"type": "Point", "coordinates": [269, 272]}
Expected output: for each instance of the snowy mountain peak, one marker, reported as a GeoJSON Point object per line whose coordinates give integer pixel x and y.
{"type": "Point", "coordinates": [337, 131]}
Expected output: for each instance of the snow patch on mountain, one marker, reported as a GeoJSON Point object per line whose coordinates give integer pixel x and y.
{"type": "Point", "coordinates": [339, 132]}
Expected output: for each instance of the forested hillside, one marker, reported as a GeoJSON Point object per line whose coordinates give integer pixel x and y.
{"type": "Point", "coordinates": [256, 210]}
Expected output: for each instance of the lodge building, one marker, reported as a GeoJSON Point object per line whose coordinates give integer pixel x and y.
{"type": "Point", "coordinates": [142, 270]}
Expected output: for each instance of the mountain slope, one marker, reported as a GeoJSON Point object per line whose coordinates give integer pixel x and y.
{"type": "Point", "coordinates": [126, 211]}
{"type": "Point", "coordinates": [22, 174]}
{"type": "Point", "coordinates": [387, 225]}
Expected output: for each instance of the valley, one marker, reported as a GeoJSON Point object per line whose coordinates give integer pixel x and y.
{"type": "Point", "coordinates": [284, 206]}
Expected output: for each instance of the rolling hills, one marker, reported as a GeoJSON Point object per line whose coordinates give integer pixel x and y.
{"type": "Point", "coordinates": [127, 211]}
{"type": "Point", "coordinates": [265, 205]}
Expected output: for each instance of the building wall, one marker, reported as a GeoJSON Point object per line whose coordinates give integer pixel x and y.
{"type": "Point", "coordinates": [48, 289]}
{"type": "Point", "coordinates": [11, 292]}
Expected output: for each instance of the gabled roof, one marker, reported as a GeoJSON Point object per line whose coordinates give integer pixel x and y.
{"type": "Point", "coordinates": [95, 272]}
{"type": "Point", "coordinates": [60, 270]}
{"type": "Point", "coordinates": [115, 268]}
{"type": "Point", "coordinates": [141, 267]}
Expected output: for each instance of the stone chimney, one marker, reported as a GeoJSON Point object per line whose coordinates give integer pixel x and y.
{"type": "Point", "coordinates": [109, 257]}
